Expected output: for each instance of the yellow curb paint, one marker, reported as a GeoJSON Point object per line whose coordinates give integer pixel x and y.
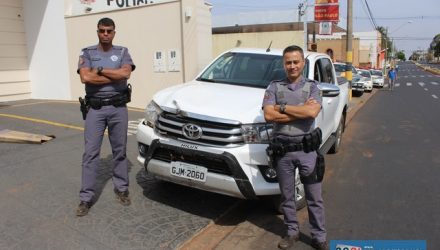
{"type": "Point", "coordinates": [69, 102]}
{"type": "Point", "coordinates": [42, 121]}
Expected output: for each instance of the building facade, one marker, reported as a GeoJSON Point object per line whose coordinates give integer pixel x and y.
{"type": "Point", "coordinates": [169, 40]}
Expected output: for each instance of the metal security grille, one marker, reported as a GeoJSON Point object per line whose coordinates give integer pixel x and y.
{"type": "Point", "coordinates": [213, 133]}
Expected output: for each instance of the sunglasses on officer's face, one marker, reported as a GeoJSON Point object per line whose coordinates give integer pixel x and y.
{"type": "Point", "coordinates": [108, 31]}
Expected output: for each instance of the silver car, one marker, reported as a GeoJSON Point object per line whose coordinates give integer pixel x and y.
{"type": "Point", "coordinates": [366, 79]}
{"type": "Point", "coordinates": [378, 78]}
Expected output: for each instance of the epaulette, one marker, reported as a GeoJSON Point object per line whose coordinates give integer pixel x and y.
{"type": "Point", "coordinates": [93, 47]}
{"type": "Point", "coordinates": [117, 47]}
{"type": "Point", "coordinates": [280, 81]}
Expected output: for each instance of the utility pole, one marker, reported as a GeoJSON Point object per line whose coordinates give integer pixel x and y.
{"type": "Point", "coordinates": [349, 51]}
{"type": "Point", "coordinates": [302, 12]}
{"type": "Point", "coordinates": [306, 33]}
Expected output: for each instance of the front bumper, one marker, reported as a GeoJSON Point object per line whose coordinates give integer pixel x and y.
{"type": "Point", "coordinates": [231, 171]}
{"type": "Point", "coordinates": [378, 83]}
{"type": "Point", "coordinates": [358, 87]}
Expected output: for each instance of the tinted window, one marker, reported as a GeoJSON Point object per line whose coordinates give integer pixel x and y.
{"type": "Point", "coordinates": [376, 72]}
{"type": "Point", "coordinates": [324, 71]}
{"type": "Point", "coordinates": [328, 69]}
{"type": "Point", "coordinates": [364, 73]}
{"type": "Point", "coordinates": [247, 69]}
{"type": "Point", "coordinates": [340, 67]}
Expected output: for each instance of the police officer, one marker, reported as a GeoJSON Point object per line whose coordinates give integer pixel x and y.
{"type": "Point", "coordinates": [104, 69]}
{"type": "Point", "coordinates": [292, 104]}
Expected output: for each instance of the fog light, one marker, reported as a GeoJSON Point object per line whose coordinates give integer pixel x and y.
{"type": "Point", "coordinates": [142, 149]}
{"type": "Point", "coordinates": [270, 173]}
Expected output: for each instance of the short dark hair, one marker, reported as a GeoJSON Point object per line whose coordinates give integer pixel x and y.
{"type": "Point", "coordinates": [106, 22]}
{"type": "Point", "coordinates": [292, 48]}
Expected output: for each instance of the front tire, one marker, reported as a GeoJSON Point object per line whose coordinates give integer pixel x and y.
{"type": "Point", "coordinates": [300, 199]}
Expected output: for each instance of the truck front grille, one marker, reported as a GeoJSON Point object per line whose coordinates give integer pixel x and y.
{"type": "Point", "coordinates": [212, 133]}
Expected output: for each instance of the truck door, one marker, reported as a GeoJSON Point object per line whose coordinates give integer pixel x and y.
{"type": "Point", "coordinates": [323, 72]}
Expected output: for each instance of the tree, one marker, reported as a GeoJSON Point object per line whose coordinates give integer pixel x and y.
{"type": "Point", "coordinates": [385, 42]}
{"type": "Point", "coordinates": [415, 56]}
{"type": "Point", "coordinates": [437, 50]}
{"type": "Point", "coordinates": [435, 46]}
{"type": "Point", "coordinates": [401, 55]}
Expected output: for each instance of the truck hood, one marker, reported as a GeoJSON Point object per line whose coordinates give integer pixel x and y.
{"type": "Point", "coordinates": [213, 101]}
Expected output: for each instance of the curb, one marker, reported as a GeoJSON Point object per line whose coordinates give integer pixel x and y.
{"type": "Point", "coordinates": [352, 111]}
{"type": "Point", "coordinates": [216, 231]}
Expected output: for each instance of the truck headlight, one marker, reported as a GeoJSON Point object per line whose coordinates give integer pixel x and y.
{"type": "Point", "coordinates": [259, 133]}
{"type": "Point", "coordinates": [151, 113]}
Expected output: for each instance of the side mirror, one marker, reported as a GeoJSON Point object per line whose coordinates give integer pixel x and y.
{"type": "Point", "coordinates": [329, 90]}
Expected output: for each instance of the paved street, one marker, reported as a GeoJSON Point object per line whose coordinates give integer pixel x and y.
{"type": "Point", "coordinates": [371, 181]}
{"type": "Point", "coordinates": [382, 185]}
{"type": "Point", "coordinates": [40, 183]}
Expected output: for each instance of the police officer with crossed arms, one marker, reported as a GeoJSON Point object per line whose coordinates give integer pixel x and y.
{"type": "Point", "coordinates": [292, 105]}
{"type": "Point", "coordinates": [104, 69]}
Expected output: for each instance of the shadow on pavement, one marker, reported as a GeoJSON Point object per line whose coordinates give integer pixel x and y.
{"type": "Point", "coordinates": [191, 200]}
{"type": "Point", "coordinates": [104, 174]}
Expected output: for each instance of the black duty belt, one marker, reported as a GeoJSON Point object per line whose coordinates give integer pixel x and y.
{"type": "Point", "coordinates": [116, 100]}
{"type": "Point", "coordinates": [292, 147]}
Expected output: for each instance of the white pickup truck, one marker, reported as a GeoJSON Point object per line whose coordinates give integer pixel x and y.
{"type": "Point", "coordinates": [210, 133]}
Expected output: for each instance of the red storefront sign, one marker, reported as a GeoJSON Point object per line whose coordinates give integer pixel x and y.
{"type": "Point", "coordinates": [327, 13]}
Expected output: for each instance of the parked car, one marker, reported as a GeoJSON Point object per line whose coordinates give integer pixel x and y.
{"type": "Point", "coordinates": [366, 79]}
{"type": "Point", "coordinates": [340, 69]}
{"type": "Point", "coordinates": [378, 78]}
{"type": "Point", "coordinates": [357, 86]}
{"type": "Point", "coordinates": [211, 133]}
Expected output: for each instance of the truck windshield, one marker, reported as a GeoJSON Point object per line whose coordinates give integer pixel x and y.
{"type": "Point", "coordinates": [245, 69]}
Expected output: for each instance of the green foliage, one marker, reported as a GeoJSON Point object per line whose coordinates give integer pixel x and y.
{"type": "Point", "coordinates": [437, 50]}
{"type": "Point", "coordinates": [401, 55]}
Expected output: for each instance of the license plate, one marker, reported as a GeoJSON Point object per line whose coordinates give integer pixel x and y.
{"type": "Point", "coordinates": [188, 171]}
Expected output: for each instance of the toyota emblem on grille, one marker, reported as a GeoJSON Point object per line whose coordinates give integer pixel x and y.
{"type": "Point", "coordinates": [192, 131]}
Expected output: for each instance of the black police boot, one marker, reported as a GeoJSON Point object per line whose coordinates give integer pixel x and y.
{"type": "Point", "coordinates": [123, 197]}
{"type": "Point", "coordinates": [320, 245]}
{"type": "Point", "coordinates": [83, 208]}
{"type": "Point", "coordinates": [288, 241]}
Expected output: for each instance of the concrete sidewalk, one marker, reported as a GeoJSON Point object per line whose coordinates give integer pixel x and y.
{"type": "Point", "coordinates": [251, 224]}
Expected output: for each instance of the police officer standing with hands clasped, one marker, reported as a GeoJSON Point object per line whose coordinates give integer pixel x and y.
{"type": "Point", "coordinates": [292, 105]}
{"type": "Point", "coordinates": [104, 70]}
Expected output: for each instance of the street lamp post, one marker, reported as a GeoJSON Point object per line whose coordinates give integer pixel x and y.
{"type": "Point", "coordinates": [393, 47]}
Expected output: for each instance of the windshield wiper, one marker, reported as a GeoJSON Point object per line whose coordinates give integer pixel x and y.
{"type": "Point", "coordinates": [206, 80]}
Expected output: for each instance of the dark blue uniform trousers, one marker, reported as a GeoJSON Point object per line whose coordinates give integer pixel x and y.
{"type": "Point", "coordinates": [315, 203]}
{"type": "Point", "coordinates": [116, 120]}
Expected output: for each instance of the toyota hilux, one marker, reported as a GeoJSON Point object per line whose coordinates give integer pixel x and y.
{"type": "Point", "coordinates": [210, 133]}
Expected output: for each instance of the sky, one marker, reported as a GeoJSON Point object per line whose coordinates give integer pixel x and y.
{"type": "Point", "coordinates": [411, 24]}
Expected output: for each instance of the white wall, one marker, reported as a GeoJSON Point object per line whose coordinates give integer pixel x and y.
{"type": "Point", "coordinates": [47, 49]}
{"type": "Point", "coordinates": [14, 77]}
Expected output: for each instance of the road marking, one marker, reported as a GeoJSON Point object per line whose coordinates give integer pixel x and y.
{"type": "Point", "coordinates": [131, 131]}
{"type": "Point", "coordinates": [422, 84]}
{"type": "Point", "coordinates": [425, 89]}
{"type": "Point", "coordinates": [434, 83]}
{"type": "Point", "coordinates": [132, 127]}
{"type": "Point", "coordinates": [69, 102]}
{"type": "Point", "coordinates": [397, 84]}
{"type": "Point", "coordinates": [435, 97]}
{"type": "Point", "coordinates": [42, 121]}
{"type": "Point", "coordinates": [408, 84]}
